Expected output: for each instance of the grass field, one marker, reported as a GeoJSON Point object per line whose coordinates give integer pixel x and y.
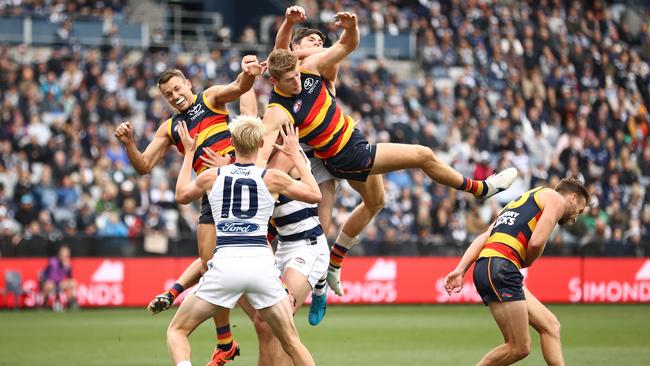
{"type": "Point", "coordinates": [350, 335]}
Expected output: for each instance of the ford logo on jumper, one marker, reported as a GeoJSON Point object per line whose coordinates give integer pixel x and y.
{"type": "Point", "coordinates": [237, 227]}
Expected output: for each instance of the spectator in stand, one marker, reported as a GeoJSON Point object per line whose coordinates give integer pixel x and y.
{"type": "Point", "coordinates": [56, 279]}
{"type": "Point", "coordinates": [569, 80]}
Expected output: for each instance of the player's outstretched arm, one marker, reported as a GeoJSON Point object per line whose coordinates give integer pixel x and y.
{"type": "Point", "coordinates": [348, 42]}
{"type": "Point", "coordinates": [143, 162]}
{"type": "Point", "coordinates": [454, 280]}
{"type": "Point", "coordinates": [188, 190]}
{"type": "Point", "coordinates": [221, 94]}
{"type": "Point", "coordinates": [293, 15]}
{"type": "Point", "coordinates": [248, 104]}
{"type": "Point", "coordinates": [274, 118]}
{"type": "Point", "coordinates": [553, 205]}
{"type": "Point", "coordinates": [280, 182]}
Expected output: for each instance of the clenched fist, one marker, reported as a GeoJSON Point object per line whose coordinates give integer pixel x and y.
{"type": "Point", "coordinates": [124, 133]}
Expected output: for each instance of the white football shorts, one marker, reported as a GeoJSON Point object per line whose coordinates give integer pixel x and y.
{"type": "Point", "coordinates": [318, 170]}
{"type": "Point", "coordinates": [310, 257]}
{"type": "Point", "coordinates": [234, 272]}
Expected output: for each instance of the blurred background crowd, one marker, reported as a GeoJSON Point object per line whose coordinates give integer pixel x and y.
{"type": "Point", "coordinates": [556, 89]}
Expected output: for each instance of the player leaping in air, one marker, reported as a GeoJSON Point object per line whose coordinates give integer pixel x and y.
{"type": "Point", "coordinates": [304, 43]}
{"type": "Point", "coordinates": [300, 97]}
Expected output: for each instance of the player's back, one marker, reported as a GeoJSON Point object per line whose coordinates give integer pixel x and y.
{"type": "Point", "coordinates": [241, 206]}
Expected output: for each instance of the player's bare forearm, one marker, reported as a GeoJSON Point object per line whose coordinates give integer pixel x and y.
{"type": "Point", "coordinates": [294, 14]}
{"type": "Point", "coordinates": [350, 39]}
{"type": "Point", "coordinates": [234, 90]}
{"type": "Point", "coordinates": [307, 179]}
{"type": "Point", "coordinates": [184, 181]}
{"type": "Point", "coordinates": [136, 158]}
{"type": "Point", "coordinates": [304, 53]}
{"type": "Point", "coordinates": [273, 120]}
{"type": "Point", "coordinates": [191, 275]}
{"type": "Point", "coordinates": [143, 162]}
{"type": "Point", "coordinates": [248, 104]}
{"type": "Point", "coordinates": [283, 38]}
{"type": "Point", "coordinates": [265, 151]}
{"type": "Point", "coordinates": [472, 252]}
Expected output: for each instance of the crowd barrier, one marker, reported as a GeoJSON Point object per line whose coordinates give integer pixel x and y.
{"type": "Point", "coordinates": [117, 281]}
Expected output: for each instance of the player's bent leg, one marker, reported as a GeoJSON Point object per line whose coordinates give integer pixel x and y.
{"type": "Point", "coordinates": [280, 319]}
{"type": "Point", "coordinates": [227, 348]}
{"type": "Point", "coordinates": [192, 312]}
{"type": "Point", "coordinates": [207, 238]}
{"type": "Point", "coordinates": [265, 336]}
{"type": "Point", "coordinates": [512, 319]}
{"type": "Point", "coordinates": [548, 327]}
{"type": "Point", "coordinates": [270, 348]}
{"type": "Point", "coordinates": [373, 200]}
{"type": "Point", "coordinates": [421, 157]}
{"type": "Point", "coordinates": [298, 287]}
{"type": "Point", "coordinates": [326, 205]}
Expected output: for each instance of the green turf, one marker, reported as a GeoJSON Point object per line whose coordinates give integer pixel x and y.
{"type": "Point", "coordinates": [350, 335]}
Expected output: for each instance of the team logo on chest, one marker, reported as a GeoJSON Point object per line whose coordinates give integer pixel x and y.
{"type": "Point", "coordinates": [310, 84]}
{"type": "Point", "coordinates": [195, 112]}
{"type": "Point", "coordinates": [297, 106]}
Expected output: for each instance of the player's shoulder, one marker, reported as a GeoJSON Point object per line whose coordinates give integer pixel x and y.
{"type": "Point", "coordinates": [548, 196]}
{"type": "Point", "coordinates": [309, 71]}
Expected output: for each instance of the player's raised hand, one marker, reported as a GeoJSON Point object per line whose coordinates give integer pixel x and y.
{"type": "Point", "coordinates": [250, 66]}
{"type": "Point", "coordinates": [213, 160]}
{"type": "Point", "coordinates": [124, 133]}
{"type": "Point", "coordinates": [346, 20]}
{"type": "Point", "coordinates": [290, 145]}
{"type": "Point", "coordinates": [295, 14]}
{"type": "Point", "coordinates": [454, 282]}
{"type": "Point", "coordinates": [189, 143]}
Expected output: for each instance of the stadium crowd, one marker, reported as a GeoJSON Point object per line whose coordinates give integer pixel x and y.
{"type": "Point", "coordinates": [555, 90]}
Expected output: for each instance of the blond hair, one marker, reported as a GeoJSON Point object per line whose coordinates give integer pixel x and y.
{"type": "Point", "coordinates": [281, 61]}
{"type": "Point", "coordinates": [247, 132]}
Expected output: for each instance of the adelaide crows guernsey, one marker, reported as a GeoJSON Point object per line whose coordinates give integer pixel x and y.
{"type": "Point", "coordinates": [208, 125]}
{"type": "Point", "coordinates": [513, 228]}
{"type": "Point", "coordinates": [322, 125]}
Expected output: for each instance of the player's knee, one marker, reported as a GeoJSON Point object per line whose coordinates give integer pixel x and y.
{"type": "Point", "coordinates": [426, 155]}
{"type": "Point", "coordinates": [262, 328]}
{"type": "Point", "coordinates": [520, 350]}
{"type": "Point", "coordinates": [553, 328]}
{"type": "Point", "coordinates": [376, 203]}
{"type": "Point", "coordinates": [290, 343]}
{"type": "Point", "coordinates": [173, 330]}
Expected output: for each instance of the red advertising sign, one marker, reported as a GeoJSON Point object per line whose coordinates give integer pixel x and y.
{"type": "Point", "coordinates": [368, 280]}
